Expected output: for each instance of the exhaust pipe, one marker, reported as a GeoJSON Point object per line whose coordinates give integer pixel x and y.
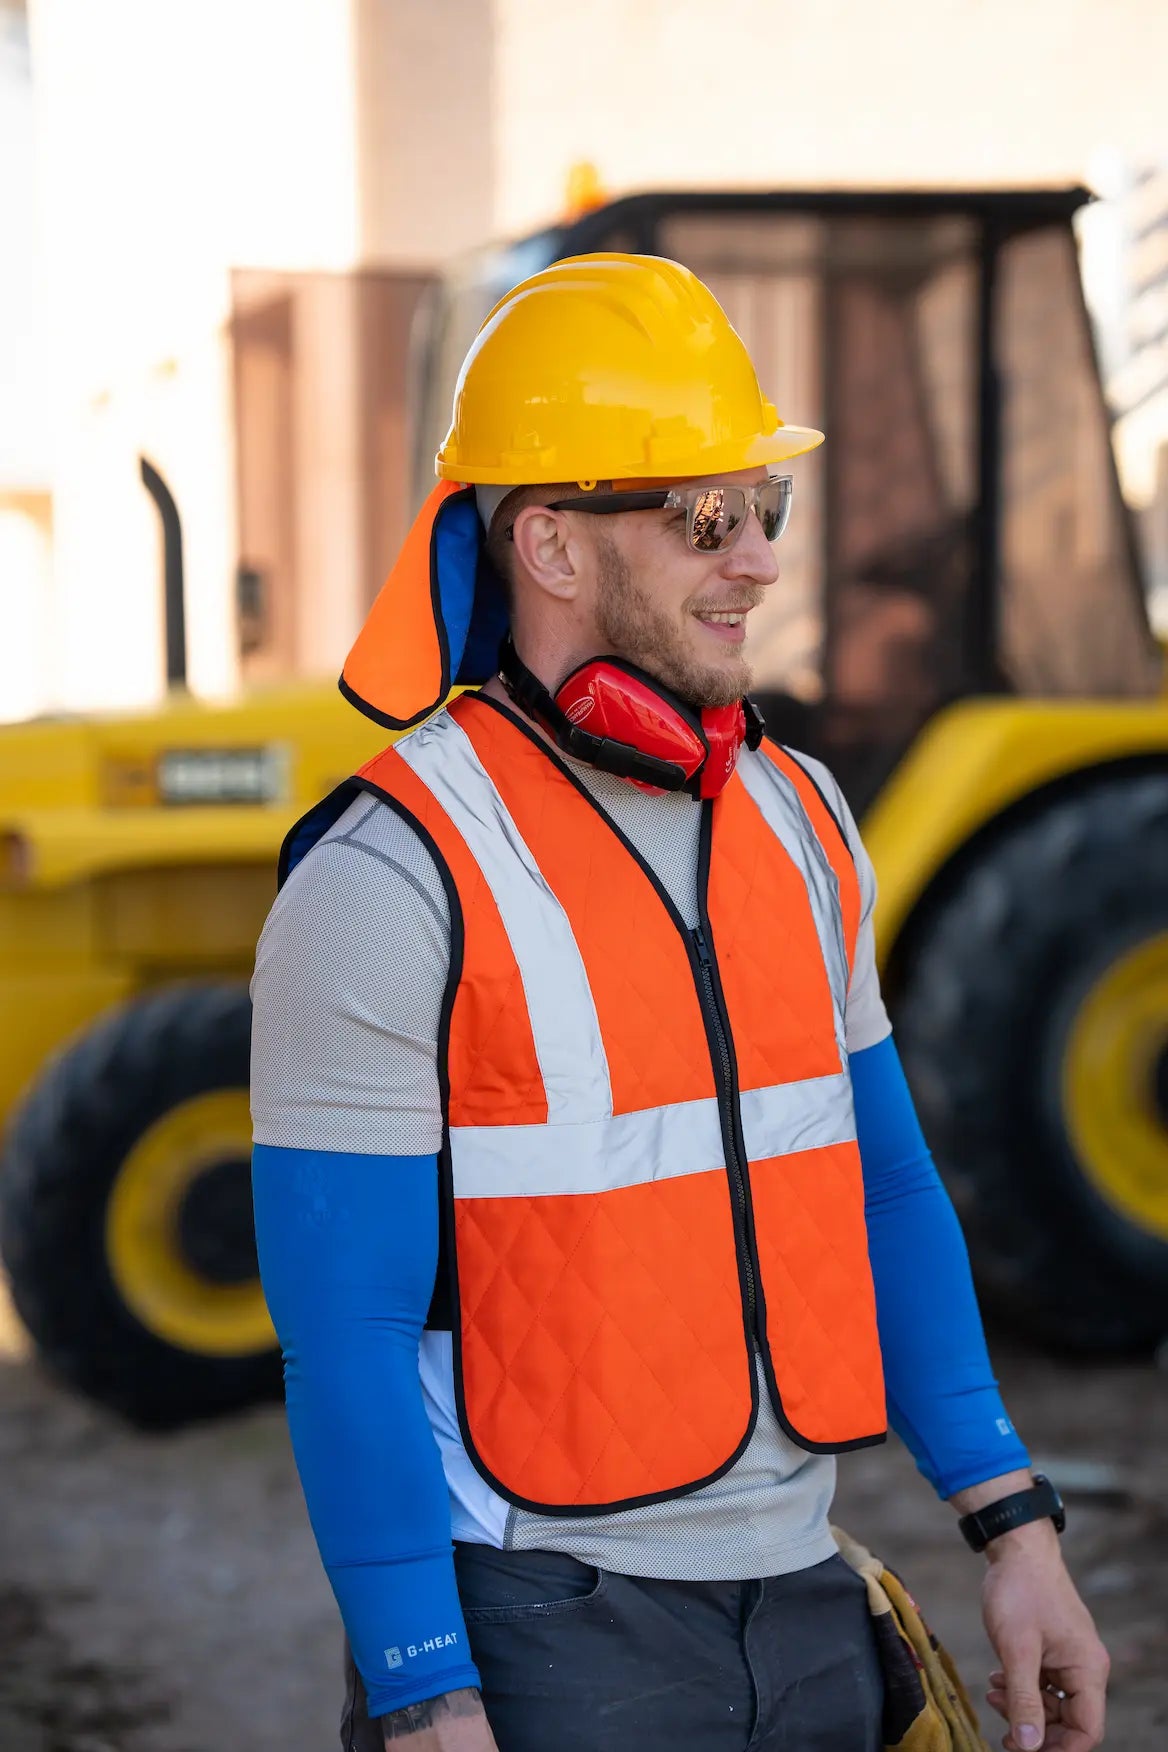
{"type": "Point", "coordinates": [174, 603]}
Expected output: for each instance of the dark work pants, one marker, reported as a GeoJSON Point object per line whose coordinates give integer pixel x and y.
{"type": "Point", "coordinates": [575, 1659]}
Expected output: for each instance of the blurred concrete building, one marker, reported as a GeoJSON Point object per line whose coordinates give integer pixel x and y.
{"type": "Point", "coordinates": [239, 203]}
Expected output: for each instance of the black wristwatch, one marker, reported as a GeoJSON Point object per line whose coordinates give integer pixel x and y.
{"type": "Point", "coordinates": [1036, 1504]}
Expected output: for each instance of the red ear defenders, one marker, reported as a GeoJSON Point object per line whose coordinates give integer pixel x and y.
{"type": "Point", "coordinates": [614, 716]}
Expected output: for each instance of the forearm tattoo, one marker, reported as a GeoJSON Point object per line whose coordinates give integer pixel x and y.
{"type": "Point", "coordinates": [403, 1722]}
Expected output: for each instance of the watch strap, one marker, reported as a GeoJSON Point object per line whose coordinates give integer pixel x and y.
{"type": "Point", "coordinates": [1040, 1502]}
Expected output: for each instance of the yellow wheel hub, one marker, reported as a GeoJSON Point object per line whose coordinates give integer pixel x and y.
{"type": "Point", "coordinates": [172, 1165]}
{"type": "Point", "coordinates": [1115, 1113]}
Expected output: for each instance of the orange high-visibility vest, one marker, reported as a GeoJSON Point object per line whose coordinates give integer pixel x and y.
{"type": "Point", "coordinates": [650, 1164]}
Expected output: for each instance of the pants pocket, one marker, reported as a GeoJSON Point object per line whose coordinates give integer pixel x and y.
{"type": "Point", "coordinates": [508, 1587]}
{"type": "Point", "coordinates": [633, 1666]}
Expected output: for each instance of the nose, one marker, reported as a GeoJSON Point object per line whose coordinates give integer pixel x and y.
{"type": "Point", "coordinates": [752, 558]}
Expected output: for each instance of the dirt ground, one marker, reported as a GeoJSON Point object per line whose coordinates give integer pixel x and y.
{"type": "Point", "coordinates": [163, 1594]}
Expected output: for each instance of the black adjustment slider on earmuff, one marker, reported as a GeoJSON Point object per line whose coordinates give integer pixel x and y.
{"type": "Point", "coordinates": [755, 725]}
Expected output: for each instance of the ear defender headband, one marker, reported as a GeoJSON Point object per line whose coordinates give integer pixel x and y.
{"type": "Point", "coordinates": [614, 716]}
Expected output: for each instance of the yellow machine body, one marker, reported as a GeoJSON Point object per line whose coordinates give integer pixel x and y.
{"type": "Point", "coordinates": [107, 889]}
{"type": "Point", "coordinates": [974, 762]}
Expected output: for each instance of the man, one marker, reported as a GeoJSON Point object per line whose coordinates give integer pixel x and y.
{"type": "Point", "coordinates": [589, 1193]}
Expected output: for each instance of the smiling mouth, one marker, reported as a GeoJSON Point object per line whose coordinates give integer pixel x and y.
{"type": "Point", "coordinates": [728, 617]}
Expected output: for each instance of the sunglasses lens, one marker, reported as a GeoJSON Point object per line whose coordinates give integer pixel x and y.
{"type": "Point", "coordinates": [774, 507]}
{"type": "Point", "coordinates": [715, 515]}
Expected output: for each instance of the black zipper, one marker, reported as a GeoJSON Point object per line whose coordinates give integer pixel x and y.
{"type": "Point", "coordinates": [727, 1107]}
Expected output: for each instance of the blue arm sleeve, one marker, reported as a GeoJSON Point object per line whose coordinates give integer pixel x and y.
{"type": "Point", "coordinates": [348, 1250]}
{"type": "Point", "coordinates": [943, 1401]}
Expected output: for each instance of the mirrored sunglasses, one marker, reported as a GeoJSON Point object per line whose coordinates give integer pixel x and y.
{"type": "Point", "coordinates": [714, 516]}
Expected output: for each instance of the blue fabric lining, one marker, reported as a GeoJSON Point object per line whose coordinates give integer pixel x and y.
{"type": "Point", "coordinates": [474, 611]}
{"type": "Point", "coordinates": [489, 622]}
{"type": "Point", "coordinates": [313, 826]}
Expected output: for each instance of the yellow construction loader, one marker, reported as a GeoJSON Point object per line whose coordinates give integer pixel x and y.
{"type": "Point", "coordinates": [960, 632]}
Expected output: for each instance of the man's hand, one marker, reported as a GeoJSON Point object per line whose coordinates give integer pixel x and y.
{"type": "Point", "coordinates": [454, 1722]}
{"type": "Point", "coordinates": [1051, 1686]}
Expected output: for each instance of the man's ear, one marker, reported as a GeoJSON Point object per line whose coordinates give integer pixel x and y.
{"type": "Point", "coordinates": [547, 550]}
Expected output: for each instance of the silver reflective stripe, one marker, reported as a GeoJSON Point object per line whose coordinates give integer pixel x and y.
{"type": "Point", "coordinates": [782, 809]}
{"type": "Point", "coordinates": [629, 1149]}
{"type": "Point", "coordinates": [656, 1143]}
{"type": "Point", "coordinates": [564, 1024]}
{"type": "Point", "coordinates": [798, 1116]}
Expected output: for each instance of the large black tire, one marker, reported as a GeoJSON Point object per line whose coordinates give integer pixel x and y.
{"type": "Point", "coordinates": [989, 998]}
{"type": "Point", "coordinates": [61, 1160]}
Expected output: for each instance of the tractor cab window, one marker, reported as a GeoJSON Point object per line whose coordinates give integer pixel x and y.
{"type": "Point", "coordinates": [867, 328]}
{"type": "Point", "coordinates": [1072, 616]}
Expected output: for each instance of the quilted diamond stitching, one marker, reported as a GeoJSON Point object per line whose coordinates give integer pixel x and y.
{"type": "Point", "coordinates": [649, 1433]}
{"type": "Point", "coordinates": [805, 1333]}
{"type": "Point", "coordinates": [486, 1090]}
{"type": "Point", "coordinates": [739, 892]}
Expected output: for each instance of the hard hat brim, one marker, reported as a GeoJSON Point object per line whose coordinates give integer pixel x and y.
{"type": "Point", "coordinates": [534, 470]}
{"type": "Point", "coordinates": [782, 445]}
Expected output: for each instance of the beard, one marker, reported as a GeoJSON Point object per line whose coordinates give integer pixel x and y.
{"type": "Point", "coordinates": [635, 628]}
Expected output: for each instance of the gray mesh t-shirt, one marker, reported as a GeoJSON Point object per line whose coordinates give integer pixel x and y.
{"type": "Point", "coordinates": [350, 972]}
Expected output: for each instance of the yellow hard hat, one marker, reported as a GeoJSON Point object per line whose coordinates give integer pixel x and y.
{"type": "Point", "coordinates": [610, 367]}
